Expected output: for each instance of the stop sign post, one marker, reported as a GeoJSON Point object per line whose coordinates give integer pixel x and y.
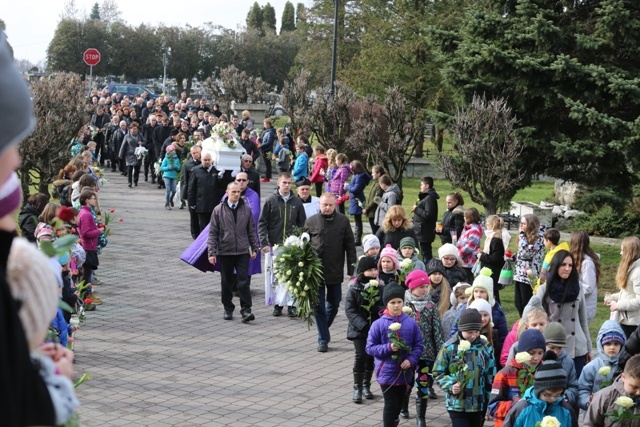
{"type": "Point", "coordinates": [91, 57]}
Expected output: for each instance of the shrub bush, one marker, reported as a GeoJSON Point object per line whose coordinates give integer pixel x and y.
{"type": "Point", "coordinates": [608, 222]}
{"type": "Point", "coordinates": [592, 202]}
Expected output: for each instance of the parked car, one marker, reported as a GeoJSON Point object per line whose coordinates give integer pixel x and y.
{"type": "Point", "coordinates": [129, 89]}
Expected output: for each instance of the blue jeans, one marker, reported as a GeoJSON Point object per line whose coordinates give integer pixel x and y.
{"type": "Point", "coordinates": [170, 184]}
{"type": "Point", "coordinates": [326, 310]}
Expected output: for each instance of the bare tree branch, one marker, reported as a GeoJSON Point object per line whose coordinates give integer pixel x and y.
{"type": "Point", "coordinates": [488, 164]}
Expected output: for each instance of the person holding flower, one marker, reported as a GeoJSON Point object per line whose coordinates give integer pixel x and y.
{"type": "Point", "coordinates": [362, 306]}
{"type": "Point", "coordinates": [513, 380]}
{"type": "Point", "coordinates": [543, 403]}
{"type": "Point", "coordinates": [465, 369]}
{"type": "Point", "coordinates": [426, 315]}
{"type": "Point", "coordinates": [598, 373]}
{"type": "Point", "coordinates": [395, 342]}
{"type": "Point", "coordinates": [409, 251]}
{"type": "Point", "coordinates": [616, 405]}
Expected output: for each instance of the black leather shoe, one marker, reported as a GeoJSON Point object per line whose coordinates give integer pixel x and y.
{"type": "Point", "coordinates": [248, 317]}
{"type": "Point", "coordinates": [228, 315]}
{"type": "Point", "coordinates": [129, 185]}
{"type": "Point", "coordinates": [323, 347]}
{"type": "Point", "coordinates": [292, 312]}
{"type": "Point", "coordinates": [277, 311]}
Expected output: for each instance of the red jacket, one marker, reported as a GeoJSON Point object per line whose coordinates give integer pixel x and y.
{"type": "Point", "coordinates": [505, 388]}
{"type": "Point", "coordinates": [320, 163]}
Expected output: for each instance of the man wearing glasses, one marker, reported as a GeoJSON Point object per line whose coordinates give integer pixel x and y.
{"type": "Point", "coordinates": [246, 166]}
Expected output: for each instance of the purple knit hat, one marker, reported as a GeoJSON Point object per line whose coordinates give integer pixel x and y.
{"type": "Point", "coordinates": [10, 195]}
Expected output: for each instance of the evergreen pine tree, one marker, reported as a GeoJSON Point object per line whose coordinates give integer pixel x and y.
{"type": "Point", "coordinates": [269, 18]}
{"type": "Point", "coordinates": [95, 12]}
{"type": "Point", "coordinates": [254, 18]}
{"type": "Point", "coordinates": [288, 22]}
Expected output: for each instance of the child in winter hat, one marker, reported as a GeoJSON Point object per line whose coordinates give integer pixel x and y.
{"type": "Point", "coordinates": [408, 250]}
{"type": "Point", "coordinates": [391, 291]}
{"type": "Point", "coordinates": [417, 278]}
{"type": "Point", "coordinates": [470, 320]}
{"type": "Point", "coordinates": [388, 265]}
{"type": "Point", "coordinates": [371, 245]}
{"type": "Point", "coordinates": [34, 284]}
{"type": "Point", "coordinates": [483, 282]}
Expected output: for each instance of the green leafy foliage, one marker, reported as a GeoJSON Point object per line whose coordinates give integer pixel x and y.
{"type": "Point", "coordinates": [595, 200]}
{"type": "Point", "coordinates": [608, 222]}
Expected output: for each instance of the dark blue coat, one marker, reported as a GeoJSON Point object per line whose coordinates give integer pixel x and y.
{"type": "Point", "coordinates": [356, 192]}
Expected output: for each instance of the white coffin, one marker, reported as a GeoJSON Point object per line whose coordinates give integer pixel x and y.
{"type": "Point", "coordinates": [223, 157]}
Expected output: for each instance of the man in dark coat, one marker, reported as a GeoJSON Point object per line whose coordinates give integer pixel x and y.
{"type": "Point", "coordinates": [280, 214]}
{"type": "Point", "coordinates": [246, 165]}
{"type": "Point", "coordinates": [205, 190]}
{"type": "Point", "coordinates": [332, 238]}
{"type": "Point", "coordinates": [147, 141]}
{"type": "Point", "coordinates": [100, 120]}
{"type": "Point", "coordinates": [233, 241]}
{"type": "Point", "coordinates": [249, 146]}
{"type": "Point", "coordinates": [425, 215]}
{"type": "Point", "coordinates": [114, 148]}
{"type": "Point", "coordinates": [185, 174]}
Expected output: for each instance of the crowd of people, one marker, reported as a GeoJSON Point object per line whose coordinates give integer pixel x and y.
{"type": "Point", "coordinates": [415, 320]}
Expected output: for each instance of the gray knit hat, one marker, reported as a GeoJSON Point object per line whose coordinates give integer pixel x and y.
{"type": "Point", "coordinates": [555, 334]}
{"type": "Point", "coordinates": [17, 120]}
{"type": "Point", "coordinates": [470, 320]}
{"type": "Point", "coordinates": [550, 374]}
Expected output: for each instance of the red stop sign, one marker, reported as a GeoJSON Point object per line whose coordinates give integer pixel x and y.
{"type": "Point", "coordinates": [91, 56]}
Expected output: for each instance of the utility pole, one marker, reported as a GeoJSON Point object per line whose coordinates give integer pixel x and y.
{"type": "Point", "coordinates": [335, 50]}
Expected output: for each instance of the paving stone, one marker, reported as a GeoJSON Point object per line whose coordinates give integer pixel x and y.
{"type": "Point", "coordinates": [159, 353]}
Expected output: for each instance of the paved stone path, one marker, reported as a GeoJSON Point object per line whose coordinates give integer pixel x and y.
{"type": "Point", "coordinates": [159, 353]}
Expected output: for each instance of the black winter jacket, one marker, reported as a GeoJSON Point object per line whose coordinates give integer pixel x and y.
{"type": "Point", "coordinates": [185, 174]}
{"type": "Point", "coordinates": [205, 189]}
{"type": "Point", "coordinates": [425, 216]}
{"type": "Point", "coordinates": [453, 219]}
{"type": "Point", "coordinates": [278, 218]}
{"type": "Point", "coordinates": [28, 221]}
{"type": "Point", "coordinates": [631, 348]}
{"type": "Point", "coordinates": [494, 260]}
{"type": "Point", "coordinates": [332, 238]}
{"type": "Point", "coordinates": [357, 315]}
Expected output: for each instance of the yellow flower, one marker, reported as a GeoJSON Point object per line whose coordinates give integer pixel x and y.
{"type": "Point", "coordinates": [550, 421]}
{"type": "Point", "coordinates": [287, 273]}
{"type": "Point", "coordinates": [306, 287]}
{"type": "Point", "coordinates": [407, 310]}
{"type": "Point", "coordinates": [301, 264]}
{"type": "Point", "coordinates": [373, 283]}
{"type": "Point", "coordinates": [604, 371]}
{"type": "Point", "coordinates": [624, 402]}
{"type": "Point", "coordinates": [395, 326]}
{"type": "Point", "coordinates": [301, 275]}
{"type": "Point", "coordinates": [464, 345]}
{"type": "Point", "coordinates": [523, 357]}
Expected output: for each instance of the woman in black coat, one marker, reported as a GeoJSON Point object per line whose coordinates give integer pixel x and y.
{"type": "Point", "coordinates": [494, 258]}
{"type": "Point", "coordinates": [395, 227]}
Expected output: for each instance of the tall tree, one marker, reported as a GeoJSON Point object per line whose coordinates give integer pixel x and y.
{"type": "Point", "coordinates": [269, 18]}
{"type": "Point", "coordinates": [65, 49]}
{"type": "Point", "coordinates": [301, 14]}
{"type": "Point", "coordinates": [568, 74]}
{"type": "Point", "coordinates": [288, 22]}
{"type": "Point", "coordinates": [134, 52]}
{"type": "Point", "coordinates": [61, 110]}
{"type": "Point", "coordinates": [109, 12]}
{"type": "Point", "coordinates": [95, 12]}
{"type": "Point", "coordinates": [187, 49]}
{"type": "Point", "coordinates": [329, 117]}
{"type": "Point", "coordinates": [489, 160]}
{"type": "Point", "coordinates": [387, 134]}
{"type": "Point", "coordinates": [70, 11]}
{"type": "Point", "coordinates": [254, 18]}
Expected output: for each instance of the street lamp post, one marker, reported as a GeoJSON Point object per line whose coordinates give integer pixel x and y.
{"type": "Point", "coordinates": [334, 54]}
{"type": "Point", "coordinates": [164, 75]}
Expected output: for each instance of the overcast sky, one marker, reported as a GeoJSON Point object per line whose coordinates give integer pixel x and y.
{"type": "Point", "coordinates": [31, 23]}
